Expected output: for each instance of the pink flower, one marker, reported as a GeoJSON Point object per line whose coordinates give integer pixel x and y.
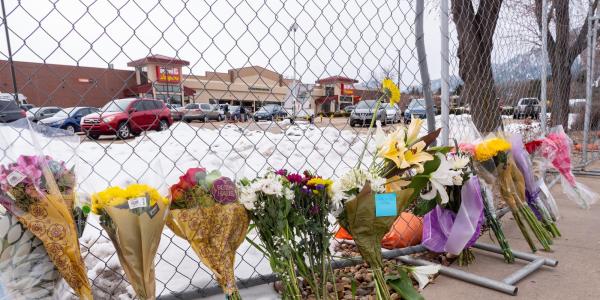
{"type": "Point", "coordinates": [467, 148]}
{"type": "Point", "coordinates": [295, 178]}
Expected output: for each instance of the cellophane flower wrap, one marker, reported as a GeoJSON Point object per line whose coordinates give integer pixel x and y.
{"type": "Point", "coordinates": [496, 166]}
{"type": "Point", "coordinates": [206, 212]}
{"type": "Point", "coordinates": [556, 147]}
{"type": "Point", "coordinates": [39, 192]}
{"type": "Point", "coordinates": [270, 203]}
{"type": "Point", "coordinates": [133, 215]}
{"type": "Point", "coordinates": [532, 188]}
{"type": "Point", "coordinates": [355, 206]}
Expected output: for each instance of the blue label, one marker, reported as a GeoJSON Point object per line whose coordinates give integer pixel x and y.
{"type": "Point", "coordinates": [385, 205]}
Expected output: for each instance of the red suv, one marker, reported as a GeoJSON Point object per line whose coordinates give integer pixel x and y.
{"type": "Point", "coordinates": [126, 117]}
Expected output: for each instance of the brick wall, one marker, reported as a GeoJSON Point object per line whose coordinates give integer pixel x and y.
{"type": "Point", "coordinates": [59, 85]}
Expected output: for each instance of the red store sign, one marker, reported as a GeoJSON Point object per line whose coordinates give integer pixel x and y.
{"type": "Point", "coordinates": [168, 74]}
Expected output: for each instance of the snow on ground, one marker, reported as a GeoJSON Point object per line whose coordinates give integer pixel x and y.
{"type": "Point", "coordinates": [159, 158]}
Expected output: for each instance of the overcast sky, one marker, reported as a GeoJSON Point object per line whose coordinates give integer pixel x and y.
{"type": "Point", "coordinates": [349, 37]}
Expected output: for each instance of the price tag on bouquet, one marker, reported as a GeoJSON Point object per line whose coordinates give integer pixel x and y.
{"type": "Point", "coordinates": [140, 202]}
{"type": "Point", "coordinates": [385, 205]}
{"type": "Point", "coordinates": [15, 177]}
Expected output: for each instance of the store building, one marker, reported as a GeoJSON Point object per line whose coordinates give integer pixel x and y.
{"type": "Point", "coordinates": [160, 77]}
{"type": "Point", "coordinates": [334, 93]}
{"type": "Point", "coordinates": [251, 86]}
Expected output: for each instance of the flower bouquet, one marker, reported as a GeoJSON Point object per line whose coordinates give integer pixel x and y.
{"type": "Point", "coordinates": [312, 198]}
{"type": "Point", "coordinates": [205, 212]}
{"type": "Point", "coordinates": [556, 148]}
{"type": "Point", "coordinates": [496, 166]}
{"type": "Point", "coordinates": [39, 192]}
{"type": "Point", "coordinates": [269, 201]}
{"type": "Point", "coordinates": [454, 225]}
{"type": "Point", "coordinates": [364, 209]}
{"type": "Point", "coordinates": [532, 189]}
{"type": "Point", "coordinates": [134, 217]}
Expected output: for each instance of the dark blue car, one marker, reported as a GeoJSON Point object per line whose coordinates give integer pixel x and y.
{"type": "Point", "coordinates": [417, 109]}
{"type": "Point", "coordinates": [69, 118]}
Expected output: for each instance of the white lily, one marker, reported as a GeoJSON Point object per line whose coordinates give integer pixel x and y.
{"type": "Point", "coordinates": [422, 273]}
{"type": "Point", "coordinates": [440, 178]}
{"type": "Point", "coordinates": [380, 136]}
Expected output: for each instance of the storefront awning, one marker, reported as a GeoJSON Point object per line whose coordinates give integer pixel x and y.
{"type": "Point", "coordinates": [147, 89]}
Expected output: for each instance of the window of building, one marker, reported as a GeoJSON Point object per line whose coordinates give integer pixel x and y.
{"type": "Point", "coordinates": [329, 91]}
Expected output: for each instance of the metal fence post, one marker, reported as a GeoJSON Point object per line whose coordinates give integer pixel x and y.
{"type": "Point", "coordinates": [445, 101]}
{"type": "Point", "coordinates": [588, 85]}
{"type": "Point", "coordinates": [544, 66]}
{"type": "Point", "coordinates": [10, 56]}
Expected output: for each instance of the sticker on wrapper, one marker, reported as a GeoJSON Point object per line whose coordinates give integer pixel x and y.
{"type": "Point", "coordinates": [137, 202]}
{"type": "Point", "coordinates": [15, 177]}
{"type": "Point", "coordinates": [385, 205]}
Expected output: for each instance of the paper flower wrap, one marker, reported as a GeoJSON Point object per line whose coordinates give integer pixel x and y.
{"type": "Point", "coordinates": [38, 191]}
{"type": "Point", "coordinates": [206, 213]}
{"type": "Point", "coordinates": [367, 229]}
{"type": "Point", "coordinates": [134, 218]}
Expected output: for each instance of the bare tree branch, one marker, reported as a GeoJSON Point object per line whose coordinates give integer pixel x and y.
{"type": "Point", "coordinates": [581, 41]}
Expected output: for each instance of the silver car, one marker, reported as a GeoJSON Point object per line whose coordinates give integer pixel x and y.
{"type": "Point", "coordinates": [392, 112]}
{"type": "Point", "coordinates": [362, 114]}
{"type": "Point", "coordinates": [201, 112]}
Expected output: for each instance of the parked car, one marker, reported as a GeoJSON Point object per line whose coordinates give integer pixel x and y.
{"type": "Point", "coordinates": [270, 112]}
{"type": "Point", "coordinates": [393, 113]}
{"type": "Point", "coordinates": [9, 110]}
{"type": "Point", "coordinates": [126, 117]}
{"type": "Point", "coordinates": [202, 112]}
{"type": "Point", "coordinates": [26, 107]}
{"type": "Point", "coordinates": [177, 111]}
{"type": "Point", "coordinates": [36, 114]}
{"type": "Point", "coordinates": [69, 118]}
{"type": "Point", "coordinates": [527, 107]}
{"type": "Point", "coordinates": [416, 108]}
{"type": "Point", "coordinates": [348, 109]}
{"type": "Point", "coordinates": [363, 113]}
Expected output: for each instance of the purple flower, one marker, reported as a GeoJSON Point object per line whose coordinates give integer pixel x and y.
{"type": "Point", "coordinates": [306, 190]}
{"type": "Point", "coordinates": [314, 210]}
{"type": "Point", "coordinates": [281, 172]}
{"type": "Point", "coordinates": [295, 178]}
{"type": "Point", "coordinates": [319, 187]}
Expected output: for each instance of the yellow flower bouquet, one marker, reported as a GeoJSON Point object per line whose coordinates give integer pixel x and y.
{"type": "Point", "coordinates": [134, 218]}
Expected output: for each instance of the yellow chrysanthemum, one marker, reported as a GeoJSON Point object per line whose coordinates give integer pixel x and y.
{"type": "Point", "coordinates": [320, 181]}
{"type": "Point", "coordinates": [391, 89]}
{"type": "Point", "coordinates": [115, 196]}
{"type": "Point", "coordinates": [490, 148]}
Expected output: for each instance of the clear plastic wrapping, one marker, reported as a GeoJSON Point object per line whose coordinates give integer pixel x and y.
{"type": "Point", "coordinates": [39, 191]}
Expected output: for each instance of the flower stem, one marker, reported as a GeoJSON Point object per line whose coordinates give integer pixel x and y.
{"type": "Point", "coordinates": [373, 118]}
{"type": "Point", "coordinates": [381, 286]}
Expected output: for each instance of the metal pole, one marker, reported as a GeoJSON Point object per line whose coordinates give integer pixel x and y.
{"type": "Point", "coordinates": [465, 276]}
{"type": "Point", "coordinates": [294, 95]}
{"type": "Point", "coordinates": [543, 96]}
{"type": "Point", "coordinates": [399, 65]}
{"type": "Point", "coordinates": [524, 272]}
{"type": "Point", "coordinates": [518, 254]}
{"type": "Point", "coordinates": [445, 103]}
{"type": "Point", "coordinates": [588, 85]}
{"type": "Point", "coordinates": [10, 56]}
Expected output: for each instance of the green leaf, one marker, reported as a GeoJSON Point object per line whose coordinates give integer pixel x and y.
{"type": "Point", "coordinates": [425, 206]}
{"type": "Point", "coordinates": [432, 165]}
{"type": "Point", "coordinates": [441, 149]}
{"type": "Point", "coordinates": [353, 286]}
{"type": "Point", "coordinates": [404, 287]}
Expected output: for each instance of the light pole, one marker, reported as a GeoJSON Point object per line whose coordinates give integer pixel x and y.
{"type": "Point", "coordinates": [293, 29]}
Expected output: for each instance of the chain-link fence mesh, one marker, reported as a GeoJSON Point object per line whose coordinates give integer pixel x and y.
{"type": "Point", "coordinates": [254, 85]}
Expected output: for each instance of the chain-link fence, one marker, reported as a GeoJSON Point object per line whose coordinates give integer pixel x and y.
{"type": "Point", "coordinates": [255, 85]}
